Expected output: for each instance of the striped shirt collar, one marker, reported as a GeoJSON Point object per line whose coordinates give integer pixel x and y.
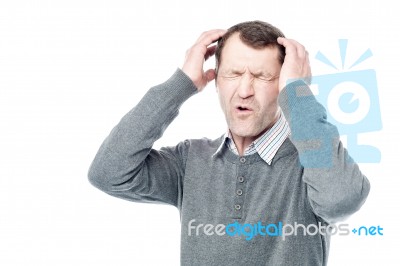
{"type": "Point", "coordinates": [266, 145]}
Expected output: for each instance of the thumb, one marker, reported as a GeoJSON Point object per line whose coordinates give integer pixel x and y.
{"type": "Point", "coordinates": [210, 75]}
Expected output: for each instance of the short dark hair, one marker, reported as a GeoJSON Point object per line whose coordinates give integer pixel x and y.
{"type": "Point", "coordinates": [257, 34]}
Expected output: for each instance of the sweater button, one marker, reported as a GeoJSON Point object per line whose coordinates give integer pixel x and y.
{"type": "Point", "coordinates": [241, 179]}
{"type": "Point", "coordinates": [239, 192]}
{"type": "Point", "coordinates": [242, 159]}
{"type": "Point", "coordinates": [237, 207]}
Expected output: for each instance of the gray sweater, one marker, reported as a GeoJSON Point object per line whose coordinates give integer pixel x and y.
{"type": "Point", "coordinates": [204, 186]}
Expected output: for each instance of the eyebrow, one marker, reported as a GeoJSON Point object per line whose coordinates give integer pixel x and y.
{"type": "Point", "coordinates": [233, 71]}
{"type": "Point", "coordinates": [263, 74]}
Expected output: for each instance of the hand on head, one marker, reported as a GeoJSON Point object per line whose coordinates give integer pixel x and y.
{"type": "Point", "coordinates": [296, 64]}
{"type": "Point", "coordinates": [197, 54]}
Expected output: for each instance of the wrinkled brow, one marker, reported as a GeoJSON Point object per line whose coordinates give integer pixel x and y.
{"type": "Point", "coordinates": [261, 73]}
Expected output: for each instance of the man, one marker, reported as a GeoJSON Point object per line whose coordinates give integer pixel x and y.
{"type": "Point", "coordinates": [235, 193]}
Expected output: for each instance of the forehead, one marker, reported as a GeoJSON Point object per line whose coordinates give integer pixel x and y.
{"type": "Point", "coordinates": [238, 55]}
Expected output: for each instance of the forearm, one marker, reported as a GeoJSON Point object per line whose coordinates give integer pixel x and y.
{"type": "Point", "coordinates": [336, 186]}
{"type": "Point", "coordinates": [123, 152]}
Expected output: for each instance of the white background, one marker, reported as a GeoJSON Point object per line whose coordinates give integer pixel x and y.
{"type": "Point", "coordinates": [69, 70]}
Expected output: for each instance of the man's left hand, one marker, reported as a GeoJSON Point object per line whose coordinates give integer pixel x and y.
{"type": "Point", "coordinates": [296, 64]}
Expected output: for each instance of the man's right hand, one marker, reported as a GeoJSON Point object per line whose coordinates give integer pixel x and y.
{"type": "Point", "coordinates": [197, 54]}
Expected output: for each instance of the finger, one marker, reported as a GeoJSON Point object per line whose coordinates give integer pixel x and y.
{"type": "Point", "coordinates": [211, 36]}
{"type": "Point", "coordinates": [210, 52]}
{"type": "Point", "coordinates": [301, 50]}
{"type": "Point", "coordinates": [210, 75]}
{"type": "Point", "coordinates": [292, 47]}
{"type": "Point", "coordinates": [307, 58]}
{"type": "Point", "coordinates": [214, 34]}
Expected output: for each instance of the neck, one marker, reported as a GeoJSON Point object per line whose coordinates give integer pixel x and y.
{"type": "Point", "coordinates": [242, 143]}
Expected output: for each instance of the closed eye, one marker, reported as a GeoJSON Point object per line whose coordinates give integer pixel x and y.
{"type": "Point", "coordinates": [267, 79]}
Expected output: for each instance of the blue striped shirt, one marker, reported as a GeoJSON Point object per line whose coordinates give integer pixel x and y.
{"type": "Point", "coordinates": [266, 145]}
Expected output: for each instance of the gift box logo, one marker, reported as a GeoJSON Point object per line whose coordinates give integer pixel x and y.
{"type": "Point", "coordinates": [352, 104]}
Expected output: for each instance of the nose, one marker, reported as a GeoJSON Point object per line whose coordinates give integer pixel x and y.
{"type": "Point", "coordinates": [245, 88]}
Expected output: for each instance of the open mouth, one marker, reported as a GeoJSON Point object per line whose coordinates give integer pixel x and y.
{"type": "Point", "coordinates": [243, 109]}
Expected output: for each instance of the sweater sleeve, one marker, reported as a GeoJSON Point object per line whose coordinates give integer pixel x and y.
{"type": "Point", "coordinates": [335, 185]}
{"type": "Point", "coordinates": [127, 167]}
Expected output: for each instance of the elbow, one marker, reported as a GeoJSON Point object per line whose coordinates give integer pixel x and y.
{"type": "Point", "coordinates": [96, 178]}
{"type": "Point", "coordinates": [92, 177]}
{"type": "Point", "coordinates": [111, 179]}
{"type": "Point", "coordinates": [343, 204]}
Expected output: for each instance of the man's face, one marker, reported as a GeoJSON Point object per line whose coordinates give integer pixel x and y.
{"type": "Point", "coordinates": [247, 85]}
